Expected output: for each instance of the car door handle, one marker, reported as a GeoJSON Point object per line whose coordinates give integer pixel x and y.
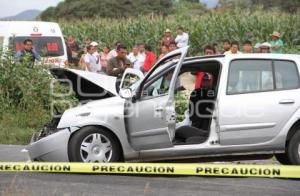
{"type": "Point", "coordinates": [286, 101]}
{"type": "Point", "coordinates": [159, 109]}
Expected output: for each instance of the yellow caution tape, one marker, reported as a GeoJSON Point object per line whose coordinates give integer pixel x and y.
{"type": "Point", "coordinates": [273, 171]}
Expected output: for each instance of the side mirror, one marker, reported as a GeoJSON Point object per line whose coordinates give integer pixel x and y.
{"type": "Point", "coordinates": [126, 93]}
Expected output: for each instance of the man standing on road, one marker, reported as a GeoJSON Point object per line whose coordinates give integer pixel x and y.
{"type": "Point", "coordinates": [27, 54]}
{"type": "Point", "coordinates": [117, 65]}
{"type": "Point", "coordinates": [182, 38]}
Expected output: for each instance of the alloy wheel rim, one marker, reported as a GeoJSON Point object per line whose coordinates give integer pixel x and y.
{"type": "Point", "coordinates": [96, 148]}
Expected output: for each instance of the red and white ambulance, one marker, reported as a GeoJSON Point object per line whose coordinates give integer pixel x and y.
{"type": "Point", "coordinates": [47, 39]}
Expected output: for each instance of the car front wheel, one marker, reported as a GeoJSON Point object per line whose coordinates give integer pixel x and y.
{"type": "Point", "coordinates": [294, 149]}
{"type": "Point", "coordinates": [94, 144]}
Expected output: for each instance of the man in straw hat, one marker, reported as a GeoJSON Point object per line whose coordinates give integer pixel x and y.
{"type": "Point", "coordinates": [276, 43]}
{"type": "Point", "coordinates": [167, 39]}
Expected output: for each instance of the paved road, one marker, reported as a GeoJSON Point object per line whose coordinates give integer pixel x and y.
{"type": "Point", "coordinates": [73, 184]}
{"type": "Point", "coordinates": [12, 153]}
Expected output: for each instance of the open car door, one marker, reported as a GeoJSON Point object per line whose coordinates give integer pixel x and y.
{"type": "Point", "coordinates": [150, 116]}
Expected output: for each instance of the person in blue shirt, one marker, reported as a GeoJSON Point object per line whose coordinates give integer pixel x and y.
{"type": "Point", "coordinates": [27, 54]}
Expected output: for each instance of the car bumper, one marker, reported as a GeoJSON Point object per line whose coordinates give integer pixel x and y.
{"type": "Point", "coordinates": [53, 148]}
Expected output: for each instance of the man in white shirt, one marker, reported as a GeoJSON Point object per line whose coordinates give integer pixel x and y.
{"type": "Point", "coordinates": [142, 51]}
{"type": "Point", "coordinates": [142, 54]}
{"type": "Point", "coordinates": [97, 55]}
{"type": "Point", "coordinates": [95, 44]}
{"type": "Point", "coordinates": [136, 58]}
{"type": "Point", "coordinates": [182, 38]}
{"type": "Point", "coordinates": [91, 61]}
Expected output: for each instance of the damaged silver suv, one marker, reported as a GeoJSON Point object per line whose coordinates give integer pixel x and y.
{"type": "Point", "coordinates": [238, 105]}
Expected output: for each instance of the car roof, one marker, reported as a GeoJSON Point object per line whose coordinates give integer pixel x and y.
{"type": "Point", "coordinates": [228, 58]}
{"type": "Point", "coordinates": [293, 57]}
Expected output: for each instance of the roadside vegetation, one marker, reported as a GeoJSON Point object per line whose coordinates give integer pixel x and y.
{"type": "Point", "coordinates": [26, 99]}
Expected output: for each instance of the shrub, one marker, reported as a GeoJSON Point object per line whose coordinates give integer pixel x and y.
{"type": "Point", "coordinates": [25, 98]}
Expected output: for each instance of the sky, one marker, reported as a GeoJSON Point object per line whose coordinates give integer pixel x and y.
{"type": "Point", "coordinates": [210, 3]}
{"type": "Point", "coordinates": [14, 7]}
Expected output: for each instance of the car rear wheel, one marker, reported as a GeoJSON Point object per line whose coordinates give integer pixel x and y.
{"type": "Point", "coordinates": [94, 144]}
{"type": "Point", "coordinates": [294, 149]}
{"type": "Point", "coordinates": [283, 159]}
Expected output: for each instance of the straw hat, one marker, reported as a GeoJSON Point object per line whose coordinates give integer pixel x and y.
{"type": "Point", "coordinates": [168, 31]}
{"type": "Point", "coordinates": [275, 34]}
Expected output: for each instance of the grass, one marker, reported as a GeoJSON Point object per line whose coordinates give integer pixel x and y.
{"type": "Point", "coordinates": [17, 126]}
{"type": "Point", "coordinates": [15, 135]}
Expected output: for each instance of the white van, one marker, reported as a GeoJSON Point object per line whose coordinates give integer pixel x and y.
{"type": "Point", "coordinates": [47, 39]}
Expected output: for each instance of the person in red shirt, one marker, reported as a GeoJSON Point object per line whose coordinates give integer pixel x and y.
{"type": "Point", "coordinates": [208, 50]}
{"type": "Point", "coordinates": [150, 59]}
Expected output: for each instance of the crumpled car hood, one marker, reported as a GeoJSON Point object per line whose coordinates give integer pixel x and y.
{"type": "Point", "coordinates": [87, 85]}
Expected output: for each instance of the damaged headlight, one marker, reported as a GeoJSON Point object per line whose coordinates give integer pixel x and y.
{"type": "Point", "coordinates": [48, 129]}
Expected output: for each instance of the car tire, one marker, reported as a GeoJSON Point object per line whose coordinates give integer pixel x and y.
{"type": "Point", "coordinates": [294, 149]}
{"type": "Point", "coordinates": [94, 144]}
{"type": "Point", "coordinates": [283, 159]}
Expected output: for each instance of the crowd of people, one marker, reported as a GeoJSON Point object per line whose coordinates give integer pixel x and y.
{"type": "Point", "coordinates": [275, 46]}
{"type": "Point", "coordinates": [114, 61]}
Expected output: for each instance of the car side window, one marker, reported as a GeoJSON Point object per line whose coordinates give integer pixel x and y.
{"type": "Point", "coordinates": [286, 74]}
{"type": "Point", "coordinates": [246, 76]}
{"type": "Point", "coordinates": [160, 86]}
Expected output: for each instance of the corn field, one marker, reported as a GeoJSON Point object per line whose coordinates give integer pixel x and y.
{"type": "Point", "coordinates": [206, 29]}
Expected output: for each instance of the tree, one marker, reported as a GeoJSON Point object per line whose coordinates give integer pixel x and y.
{"type": "Point", "coordinates": [286, 5]}
{"type": "Point", "coordinates": [48, 14]}
{"type": "Point", "coordinates": [106, 8]}
{"type": "Point", "coordinates": [188, 8]}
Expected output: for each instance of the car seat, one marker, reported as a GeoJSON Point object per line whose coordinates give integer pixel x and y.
{"type": "Point", "coordinates": [201, 107]}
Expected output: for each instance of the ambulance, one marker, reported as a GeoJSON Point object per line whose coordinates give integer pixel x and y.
{"type": "Point", "coordinates": [47, 40]}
